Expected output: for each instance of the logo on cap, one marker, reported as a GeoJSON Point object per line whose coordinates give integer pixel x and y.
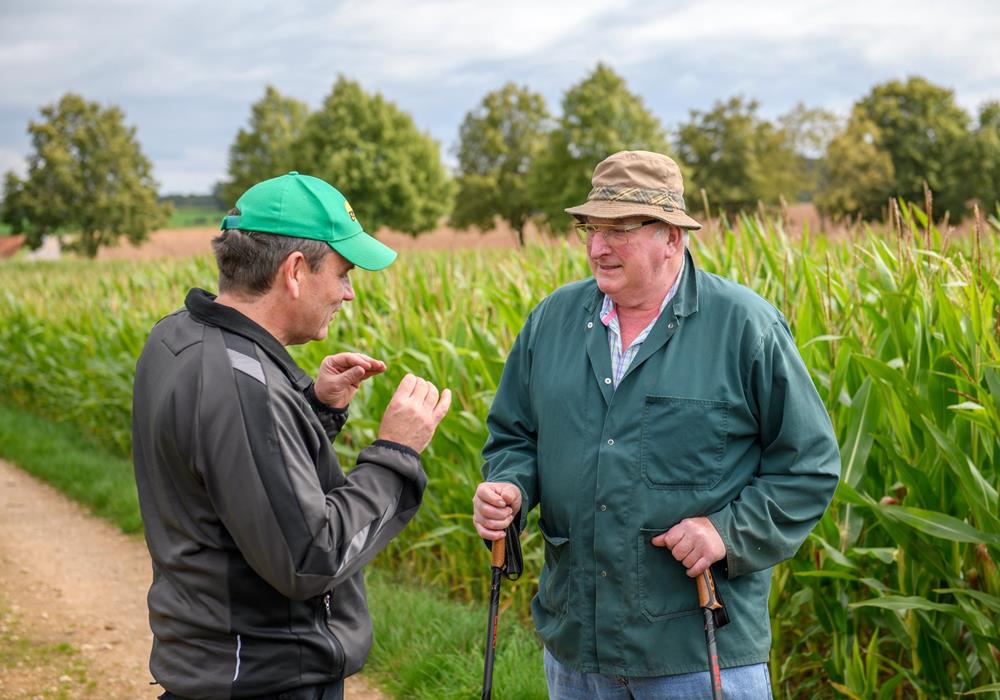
{"type": "Point", "coordinates": [350, 212]}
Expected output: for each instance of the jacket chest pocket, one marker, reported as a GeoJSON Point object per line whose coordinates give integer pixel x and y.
{"type": "Point", "coordinates": [683, 442]}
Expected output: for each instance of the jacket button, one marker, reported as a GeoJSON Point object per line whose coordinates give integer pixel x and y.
{"type": "Point", "coordinates": [604, 574]}
{"type": "Point", "coordinates": [607, 380]}
{"type": "Point", "coordinates": [611, 441]}
{"type": "Point", "coordinates": [670, 325]}
{"type": "Point", "coordinates": [603, 507]}
{"type": "Point", "coordinates": [590, 324]}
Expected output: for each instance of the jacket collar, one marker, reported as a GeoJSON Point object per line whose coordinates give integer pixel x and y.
{"type": "Point", "coordinates": [685, 301]}
{"type": "Point", "coordinates": [203, 306]}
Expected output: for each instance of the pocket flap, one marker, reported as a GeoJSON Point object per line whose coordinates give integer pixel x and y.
{"type": "Point", "coordinates": [553, 540]}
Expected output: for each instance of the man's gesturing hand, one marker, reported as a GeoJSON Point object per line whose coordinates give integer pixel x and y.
{"type": "Point", "coordinates": [414, 412]}
{"type": "Point", "coordinates": [494, 507]}
{"type": "Point", "coordinates": [340, 376]}
{"type": "Point", "coordinates": [695, 543]}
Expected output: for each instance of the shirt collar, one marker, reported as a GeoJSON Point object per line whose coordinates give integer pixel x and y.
{"type": "Point", "coordinates": [609, 310]}
{"type": "Point", "coordinates": [203, 306]}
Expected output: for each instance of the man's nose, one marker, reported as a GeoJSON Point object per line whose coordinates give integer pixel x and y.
{"type": "Point", "coordinates": [348, 290]}
{"type": "Point", "coordinates": [599, 246]}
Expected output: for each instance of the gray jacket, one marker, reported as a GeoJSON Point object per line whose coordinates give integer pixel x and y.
{"type": "Point", "coordinates": [256, 535]}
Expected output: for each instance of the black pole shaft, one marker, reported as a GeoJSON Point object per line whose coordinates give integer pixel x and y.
{"type": "Point", "coordinates": [491, 634]}
{"type": "Point", "coordinates": [713, 656]}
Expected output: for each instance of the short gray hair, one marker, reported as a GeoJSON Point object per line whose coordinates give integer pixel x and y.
{"type": "Point", "coordinates": [664, 228]}
{"type": "Point", "coordinates": [249, 260]}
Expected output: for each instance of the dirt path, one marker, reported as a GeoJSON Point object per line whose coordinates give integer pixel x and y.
{"type": "Point", "coordinates": [67, 577]}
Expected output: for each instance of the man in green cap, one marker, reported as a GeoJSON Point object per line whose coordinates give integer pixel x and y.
{"type": "Point", "coordinates": [662, 420]}
{"type": "Point", "coordinates": [257, 537]}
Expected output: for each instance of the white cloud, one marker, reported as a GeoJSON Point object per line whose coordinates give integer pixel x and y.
{"type": "Point", "coordinates": [186, 71]}
{"type": "Point", "coordinates": [12, 160]}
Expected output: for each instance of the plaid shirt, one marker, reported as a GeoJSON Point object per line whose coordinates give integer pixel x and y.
{"type": "Point", "coordinates": [621, 357]}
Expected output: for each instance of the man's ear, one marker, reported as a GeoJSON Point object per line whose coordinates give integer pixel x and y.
{"type": "Point", "coordinates": [675, 239]}
{"type": "Point", "coordinates": [291, 272]}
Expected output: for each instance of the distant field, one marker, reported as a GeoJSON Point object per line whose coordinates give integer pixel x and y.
{"type": "Point", "coordinates": [188, 217]}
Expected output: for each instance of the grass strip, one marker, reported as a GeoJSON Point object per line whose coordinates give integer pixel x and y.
{"type": "Point", "coordinates": [426, 645]}
{"type": "Point", "coordinates": [438, 653]}
{"type": "Point", "coordinates": [73, 464]}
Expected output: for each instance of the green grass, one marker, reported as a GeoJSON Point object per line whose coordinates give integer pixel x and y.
{"type": "Point", "coordinates": [73, 464]}
{"type": "Point", "coordinates": [437, 654]}
{"type": "Point", "coordinates": [188, 217]}
{"type": "Point", "coordinates": [426, 646]}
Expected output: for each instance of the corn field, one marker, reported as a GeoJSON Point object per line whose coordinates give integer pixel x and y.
{"type": "Point", "coordinates": [896, 593]}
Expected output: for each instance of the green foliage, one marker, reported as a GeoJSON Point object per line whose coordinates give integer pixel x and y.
{"type": "Point", "coordinates": [857, 175]}
{"type": "Point", "coordinates": [896, 592]}
{"type": "Point", "coordinates": [77, 466]}
{"type": "Point", "coordinates": [599, 117]}
{"type": "Point", "coordinates": [985, 154]}
{"type": "Point", "coordinates": [926, 134]}
{"type": "Point", "coordinates": [87, 175]}
{"type": "Point", "coordinates": [736, 157]}
{"type": "Point", "coordinates": [264, 150]}
{"type": "Point", "coordinates": [370, 150]}
{"type": "Point", "coordinates": [810, 131]}
{"type": "Point", "coordinates": [498, 143]}
{"type": "Point", "coordinates": [430, 648]}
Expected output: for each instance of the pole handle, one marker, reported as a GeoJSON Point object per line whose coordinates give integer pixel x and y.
{"type": "Point", "coordinates": [499, 550]}
{"type": "Point", "coordinates": [707, 596]}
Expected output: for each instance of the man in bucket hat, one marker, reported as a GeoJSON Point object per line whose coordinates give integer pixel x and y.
{"type": "Point", "coordinates": [663, 421]}
{"type": "Point", "coordinates": [257, 536]}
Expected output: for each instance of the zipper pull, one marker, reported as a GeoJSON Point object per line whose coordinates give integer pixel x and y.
{"type": "Point", "coordinates": [328, 604]}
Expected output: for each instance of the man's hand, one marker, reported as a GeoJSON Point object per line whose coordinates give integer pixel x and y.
{"type": "Point", "coordinates": [695, 543]}
{"type": "Point", "coordinates": [494, 507]}
{"type": "Point", "coordinates": [340, 376]}
{"type": "Point", "coordinates": [414, 412]}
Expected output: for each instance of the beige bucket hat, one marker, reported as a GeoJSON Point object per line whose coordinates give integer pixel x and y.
{"type": "Point", "coordinates": [637, 183]}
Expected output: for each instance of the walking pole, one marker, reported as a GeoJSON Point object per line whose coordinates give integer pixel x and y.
{"type": "Point", "coordinates": [498, 549]}
{"type": "Point", "coordinates": [715, 617]}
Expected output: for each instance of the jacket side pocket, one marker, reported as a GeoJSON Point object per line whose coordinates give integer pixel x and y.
{"type": "Point", "coordinates": [665, 589]}
{"type": "Point", "coordinates": [554, 583]}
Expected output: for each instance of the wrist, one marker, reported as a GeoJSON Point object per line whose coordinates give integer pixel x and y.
{"type": "Point", "coordinates": [327, 403]}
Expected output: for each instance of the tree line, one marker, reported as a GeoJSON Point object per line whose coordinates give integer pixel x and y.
{"type": "Point", "coordinates": [519, 162]}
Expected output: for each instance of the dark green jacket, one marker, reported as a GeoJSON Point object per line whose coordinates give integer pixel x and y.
{"type": "Point", "coordinates": [717, 416]}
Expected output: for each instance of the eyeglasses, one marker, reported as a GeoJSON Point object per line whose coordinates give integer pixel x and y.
{"type": "Point", "coordinates": [615, 235]}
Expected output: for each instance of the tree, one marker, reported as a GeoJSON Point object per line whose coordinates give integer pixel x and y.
{"type": "Point", "coordinates": [809, 131]}
{"type": "Point", "coordinates": [264, 151]}
{"type": "Point", "coordinates": [87, 175]}
{"type": "Point", "coordinates": [926, 134]}
{"type": "Point", "coordinates": [985, 158]}
{"type": "Point", "coordinates": [498, 142]}
{"type": "Point", "coordinates": [857, 176]}
{"type": "Point", "coordinates": [370, 150]}
{"type": "Point", "coordinates": [738, 158]}
{"type": "Point", "coordinates": [599, 117]}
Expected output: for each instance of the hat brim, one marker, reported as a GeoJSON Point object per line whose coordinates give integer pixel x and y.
{"type": "Point", "coordinates": [619, 210]}
{"type": "Point", "coordinates": [365, 251]}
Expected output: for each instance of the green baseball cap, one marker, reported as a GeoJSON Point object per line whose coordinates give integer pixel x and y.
{"type": "Point", "coordinates": [307, 207]}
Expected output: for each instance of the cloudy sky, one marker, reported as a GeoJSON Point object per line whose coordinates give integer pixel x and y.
{"type": "Point", "coordinates": [186, 71]}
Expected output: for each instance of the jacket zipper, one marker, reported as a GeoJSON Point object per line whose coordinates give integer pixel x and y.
{"type": "Point", "coordinates": [323, 627]}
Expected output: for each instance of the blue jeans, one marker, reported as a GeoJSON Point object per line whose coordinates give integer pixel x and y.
{"type": "Point", "coordinates": [739, 683]}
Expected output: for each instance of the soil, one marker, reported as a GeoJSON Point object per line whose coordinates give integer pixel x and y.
{"type": "Point", "coordinates": [73, 618]}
